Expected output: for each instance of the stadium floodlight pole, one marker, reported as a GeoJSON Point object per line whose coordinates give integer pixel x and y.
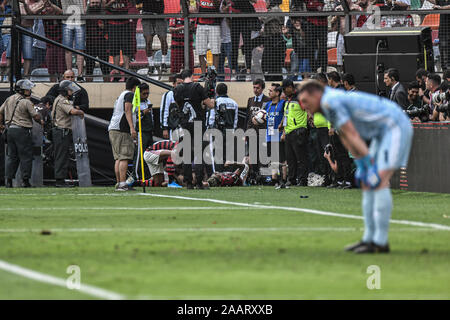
{"type": "Point", "coordinates": [137, 104]}
{"type": "Point", "coordinates": [112, 66]}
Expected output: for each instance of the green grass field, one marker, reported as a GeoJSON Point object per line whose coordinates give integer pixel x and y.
{"type": "Point", "coordinates": [152, 247]}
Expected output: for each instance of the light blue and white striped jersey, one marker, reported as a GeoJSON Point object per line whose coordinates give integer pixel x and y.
{"type": "Point", "coordinates": [370, 114]}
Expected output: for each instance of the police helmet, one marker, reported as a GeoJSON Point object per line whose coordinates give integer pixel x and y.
{"type": "Point", "coordinates": [24, 84]}
{"type": "Point", "coordinates": [66, 85]}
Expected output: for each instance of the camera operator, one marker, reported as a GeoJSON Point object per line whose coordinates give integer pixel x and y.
{"type": "Point", "coordinates": [440, 102]}
{"type": "Point", "coordinates": [192, 99]}
{"type": "Point", "coordinates": [417, 110]}
{"type": "Point", "coordinates": [223, 117]}
{"type": "Point", "coordinates": [433, 83]}
{"type": "Point", "coordinates": [62, 128]}
{"type": "Point", "coordinates": [18, 112]}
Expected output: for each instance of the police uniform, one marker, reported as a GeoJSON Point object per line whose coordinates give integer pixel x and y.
{"type": "Point", "coordinates": [62, 135]}
{"type": "Point", "coordinates": [18, 113]}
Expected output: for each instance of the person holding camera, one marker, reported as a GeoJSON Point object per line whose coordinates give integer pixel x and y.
{"type": "Point", "coordinates": [62, 111]}
{"type": "Point", "coordinates": [18, 112]}
{"type": "Point", "coordinates": [440, 102]}
{"type": "Point", "coordinates": [417, 110]}
{"type": "Point", "coordinates": [191, 99]}
{"type": "Point", "coordinates": [433, 83]}
{"type": "Point", "coordinates": [224, 116]}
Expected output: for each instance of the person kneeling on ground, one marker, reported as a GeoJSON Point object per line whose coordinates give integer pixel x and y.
{"type": "Point", "coordinates": [229, 179]}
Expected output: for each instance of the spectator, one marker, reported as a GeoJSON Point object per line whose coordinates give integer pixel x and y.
{"type": "Point", "coordinates": [274, 44]}
{"type": "Point", "coordinates": [208, 33]}
{"type": "Point", "coordinates": [152, 27]}
{"type": "Point", "coordinates": [295, 136]}
{"type": "Point", "coordinates": [334, 80]}
{"type": "Point", "coordinates": [244, 27]}
{"type": "Point", "coordinates": [39, 47]}
{"type": "Point", "coordinates": [397, 92]}
{"type": "Point", "coordinates": [341, 30]}
{"type": "Point", "coordinates": [74, 32]}
{"type": "Point", "coordinates": [432, 83]}
{"type": "Point", "coordinates": [96, 42]}
{"type": "Point", "coordinates": [27, 42]}
{"type": "Point", "coordinates": [316, 31]}
{"type": "Point", "coordinates": [225, 37]}
{"type": "Point", "coordinates": [274, 115]}
{"type": "Point", "coordinates": [417, 110]}
{"type": "Point", "coordinates": [299, 58]}
{"type": "Point", "coordinates": [80, 99]}
{"type": "Point", "coordinates": [176, 28]}
{"type": "Point", "coordinates": [349, 82]}
{"type": "Point", "coordinates": [54, 59]}
{"type": "Point", "coordinates": [119, 32]}
{"type": "Point", "coordinates": [122, 133]}
{"type": "Point", "coordinates": [444, 32]}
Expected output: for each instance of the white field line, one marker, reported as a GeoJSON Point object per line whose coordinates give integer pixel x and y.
{"type": "Point", "coordinates": [123, 208]}
{"type": "Point", "coordinates": [312, 211]}
{"type": "Point", "coordinates": [190, 229]}
{"type": "Point", "coordinates": [45, 278]}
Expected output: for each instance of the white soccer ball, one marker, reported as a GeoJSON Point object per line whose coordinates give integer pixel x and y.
{"type": "Point", "coordinates": [260, 116]}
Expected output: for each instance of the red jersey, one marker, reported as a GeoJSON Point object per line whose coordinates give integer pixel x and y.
{"type": "Point", "coordinates": [230, 179]}
{"type": "Point", "coordinates": [208, 6]}
{"type": "Point", "coordinates": [316, 5]}
{"type": "Point", "coordinates": [178, 37]}
{"type": "Point", "coordinates": [119, 7]}
{"type": "Point", "coordinates": [162, 145]}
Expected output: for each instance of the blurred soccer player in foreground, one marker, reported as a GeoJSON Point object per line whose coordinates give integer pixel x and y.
{"type": "Point", "coordinates": [360, 117]}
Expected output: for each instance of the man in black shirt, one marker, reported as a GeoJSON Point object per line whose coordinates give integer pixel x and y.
{"type": "Point", "coordinates": [191, 99]}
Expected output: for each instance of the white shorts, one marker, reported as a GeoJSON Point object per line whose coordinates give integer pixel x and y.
{"type": "Point", "coordinates": [152, 160]}
{"type": "Point", "coordinates": [207, 35]}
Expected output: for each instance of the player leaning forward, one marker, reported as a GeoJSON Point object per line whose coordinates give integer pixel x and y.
{"type": "Point", "coordinates": [361, 117]}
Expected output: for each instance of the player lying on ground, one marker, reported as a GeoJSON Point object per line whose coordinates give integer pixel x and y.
{"type": "Point", "coordinates": [155, 156]}
{"type": "Point", "coordinates": [229, 179]}
{"type": "Point", "coordinates": [361, 117]}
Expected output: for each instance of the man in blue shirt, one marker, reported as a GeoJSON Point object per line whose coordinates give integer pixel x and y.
{"type": "Point", "coordinates": [361, 116]}
{"type": "Point", "coordinates": [274, 116]}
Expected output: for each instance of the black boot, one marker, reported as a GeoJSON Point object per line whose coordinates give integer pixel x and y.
{"type": "Point", "coordinates": [26, 183]}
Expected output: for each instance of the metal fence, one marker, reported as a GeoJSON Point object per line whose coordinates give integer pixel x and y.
{"type": "Point", "coordinates": [244, 40]}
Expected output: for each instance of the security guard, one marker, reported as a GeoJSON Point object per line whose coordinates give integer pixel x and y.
{"type": "Point", "coordinates": [62, 129]}
{"type": "Point", "coordinates": [18, 113]}
{"type": "Point", "coordinates": [295, 136]}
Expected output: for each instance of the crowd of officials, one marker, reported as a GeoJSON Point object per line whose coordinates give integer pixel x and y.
{"type": "Point", "coordinates": [112, 37]}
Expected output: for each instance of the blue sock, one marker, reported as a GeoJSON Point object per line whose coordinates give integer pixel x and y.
{"type": "Point", "coordinates": [382, 214]}
{"type": "Point", "coordinates": [368, 209]}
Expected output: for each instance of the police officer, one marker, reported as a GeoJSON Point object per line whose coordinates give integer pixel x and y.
{"type": "Point", "coordinates": [62, 128]}
{"type": "Point", "coordinates": [295, 136]}
{"type": "Point", "coordinates": [18, 113]}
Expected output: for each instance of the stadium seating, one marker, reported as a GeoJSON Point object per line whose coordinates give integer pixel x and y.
{"type": "Point", "coordinates": [332, 56]}
{"type": "Point", "coordinates": [432, 21]}
{"type": "Point", "coordinates": [3, 61]}
{"type": "Point", "coordinates": [140, 60]}
{"type": "Point", "coordinates": [40, 75]}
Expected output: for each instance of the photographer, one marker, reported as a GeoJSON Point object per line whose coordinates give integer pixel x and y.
{"type": "Point", "coordinates": [440, 101]}
{"type": "Point", "coordinates": [191, 99]}
{"type": "Point", "coordinates": [223, 117]}
{"type": "Point", "coordinates": [417, 111]}
{"type": "Point", "coordinates": [433, 83]}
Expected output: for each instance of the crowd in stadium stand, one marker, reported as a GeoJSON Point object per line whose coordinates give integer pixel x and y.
{"type": "Point", "coordinates": [270, 45]}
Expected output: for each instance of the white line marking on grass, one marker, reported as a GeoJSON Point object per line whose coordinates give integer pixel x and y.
{"type": "Point", "coordinates": [230, 229]}
{"type": "Point", "coordinates": [123, 208]}
{"type": "Point", "coordinates": [45, 278]}
{"type": "Point", "coordinates": [312, 211]}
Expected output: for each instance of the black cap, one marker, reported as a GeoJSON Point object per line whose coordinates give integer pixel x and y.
{"type": "Point", "coordinates": [287, 83]}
